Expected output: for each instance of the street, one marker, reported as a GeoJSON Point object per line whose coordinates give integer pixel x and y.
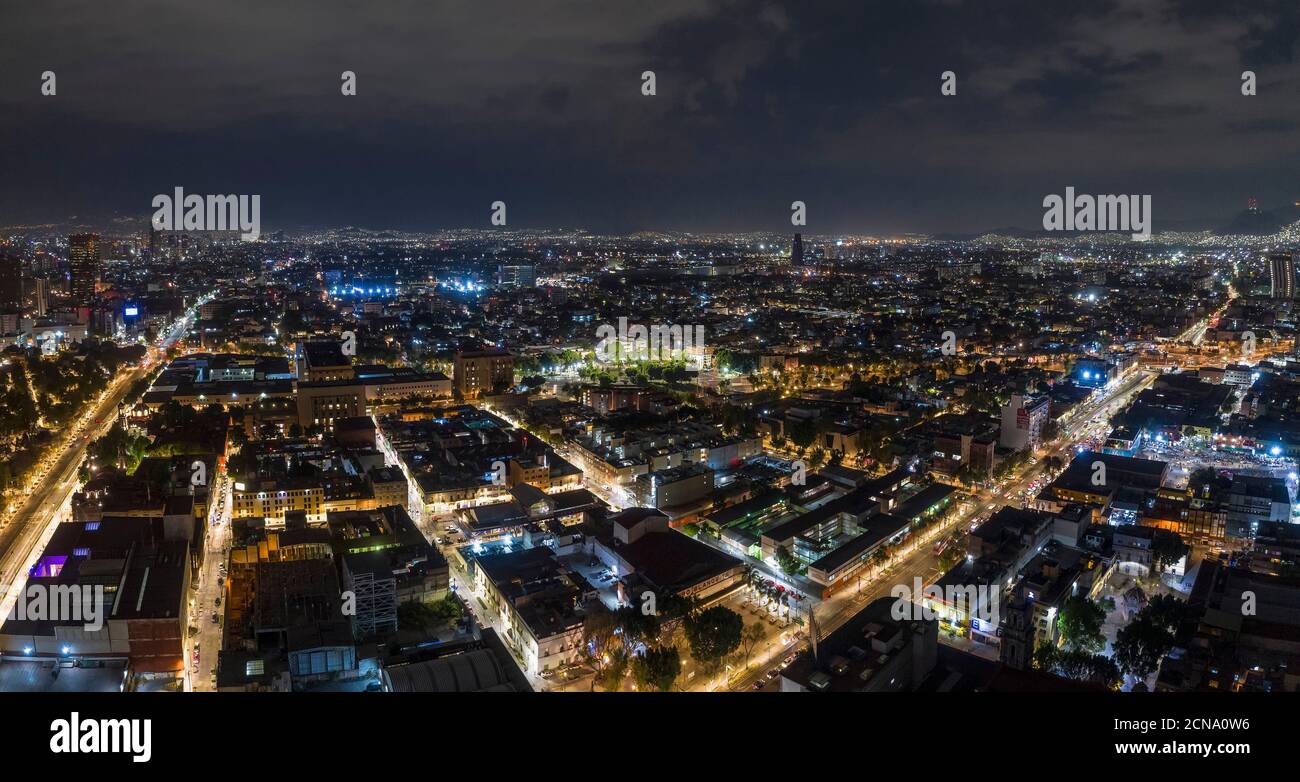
{"type": "Point", "coordinates": [202, 649]}
{"type": "Point", "coordinates": [48, 503]}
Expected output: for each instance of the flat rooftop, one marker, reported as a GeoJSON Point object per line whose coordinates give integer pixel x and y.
{"type": "Point", "coordinates": [42, 676]}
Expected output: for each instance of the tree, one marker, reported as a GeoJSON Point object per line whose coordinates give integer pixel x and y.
{"type": "Point", "coordinates": [1167, 549]}
{"type": "Point", "coordinates": [414, 615]}
{"type": "Point", "coordinates": [723, 359]}
{"type": "Point", "coordinates": [658, 668]}
{"type": "Point", "coordinates": [1045, 656]}
{"type": "Point", "coordinates": [448, 608]}
{"type": "Point", "coordinates": [803, 434]}
{"type": "Point", "coordinates": [1077, 665]}
{"type": "Point", "coordinates": [1166, 611]}
{"type": "Point", "coordinates": [1141, 646]}
{"type": "Point", "coordinates": [750, 636]}
{"type": "Point", "coordinates": [1085, 667]}
{"type": "Point", "coordinates": [598, 642]}
{"type": "Point", "coordinates": [951, 556]}
{"type": "Point", "coordinates": [637, 627]}
{"type": "Point", "coordinates": [713, 634]}
{"type": "Point", "coordinates": [880, 556]}
{"type": "Point", "coordinates": [1080, 623]}
{"type": "Point", "coordinates": [787, 562]}
{"type": "Point", "coordinates": [611, 675]}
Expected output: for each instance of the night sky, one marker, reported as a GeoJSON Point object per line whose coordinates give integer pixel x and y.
{"type": "Point", "coordinates": [539, 104]}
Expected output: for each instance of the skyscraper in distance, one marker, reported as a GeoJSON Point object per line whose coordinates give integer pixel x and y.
{"type": "Point", "coordinates": [796, 251]}
{"type": "Point", "coordinates": [83, 261]}
{"type": "Point", "coordinates": [1281, 275]}
{"type": "Point", "coordinates": [42, 296]}
{"type": "Point", "coordinates": [11, 282]}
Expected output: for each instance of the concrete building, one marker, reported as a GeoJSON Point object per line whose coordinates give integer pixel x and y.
{"type": "Point", "coordinates": [321, 403]}
{"type": "Point", "coordinates": [872, 652]}
{"type": "Point", "coordinates": [540, 605]}
{"type": "Point", "coordinates": [136, 577]}
{"type": "Point", "coordinates": [323, 360]}
{"type": "Point", "coordinates": [1022, 422]}
{"type": "Point", "coordinates": [675, 487]}
{"type": "Point", "coordinates": [478, 372]}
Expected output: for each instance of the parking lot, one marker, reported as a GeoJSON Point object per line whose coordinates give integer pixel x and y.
{"type": "Point", "coordinates": [597, 575]}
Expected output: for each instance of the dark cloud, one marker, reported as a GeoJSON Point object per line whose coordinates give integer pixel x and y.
{"type": "Point", "coordinates": [539, 104]}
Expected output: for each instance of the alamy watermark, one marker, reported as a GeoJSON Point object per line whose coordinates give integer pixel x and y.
{"type": "Point", "coordinates": [180, 212]}
{"type": "Point", "coordinates": [58, 603]}
{"type": "Point", "coordinates": [92, 735]}
{"type": "Point", "coordinates": [976, 601]}
{"type": "Point", "coordinates": [1098, 213]}
{"type": "Point", "coordinates": [637, 342]}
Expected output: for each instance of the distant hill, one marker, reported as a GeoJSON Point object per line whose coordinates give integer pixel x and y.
{"type": "Point", "coordinates": [1258, 222]}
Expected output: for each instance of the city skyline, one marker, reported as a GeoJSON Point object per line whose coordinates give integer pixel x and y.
{"type": "Point", "coordinates": [711, 348]}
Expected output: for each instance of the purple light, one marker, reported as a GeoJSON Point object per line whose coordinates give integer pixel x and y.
{"type": "Point", "coordinates": [49, 566]}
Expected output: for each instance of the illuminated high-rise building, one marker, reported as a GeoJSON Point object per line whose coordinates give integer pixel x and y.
{"type": "Point", "coordinates": [43, 265]}
{"type": "Point", "coordinates": [1281, 275]}
{"type": "Point", "coordinates": [84, 262]}
{"type": "Point", "coordinates": [796, 251]}
{"type": "Point", "coordinates": [41, 296]}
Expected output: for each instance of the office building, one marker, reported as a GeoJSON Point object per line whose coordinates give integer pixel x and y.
{"type": "Point", "coordinates": [84, 262]}
{"type": "Point", "coordinates": [1022, 422]}
{"type": "Point", "coordinates": [1281, 275]}
{"type": "Point", "coordinates": [482, 372]}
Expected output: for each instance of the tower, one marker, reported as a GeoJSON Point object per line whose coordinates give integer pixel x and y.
{"type": "Point", "coordinates": [1281, 275]}
{"type": "Point", "coordinates": [796, 251]}
{"type": "Point", "coordinates": [1018, 631]}
{"type": "Point", "coordinates": [83, 260]}
{"type": "Point", "coordinates": [42, 296]}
